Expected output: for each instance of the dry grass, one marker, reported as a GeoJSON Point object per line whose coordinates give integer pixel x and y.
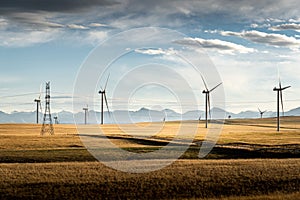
{"type": "Point", "coordinates": [183, 179]}
{"type": "Point", "coordinates": [255, 131]}
{"type": "Point", "coordinates": [251, 131]}
{"type": "Point", "coordinates": [65, 170]}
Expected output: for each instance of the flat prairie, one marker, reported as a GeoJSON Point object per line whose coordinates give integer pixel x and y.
{"type": "Point", "coordinates": [251, 160]}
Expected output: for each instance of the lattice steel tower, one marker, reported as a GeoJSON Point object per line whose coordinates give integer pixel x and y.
{"type": "Point", "coordinates": [47, 122]}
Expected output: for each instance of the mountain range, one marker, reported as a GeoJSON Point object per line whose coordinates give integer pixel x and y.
{"type": "Point", "coordinates": [141, 115]}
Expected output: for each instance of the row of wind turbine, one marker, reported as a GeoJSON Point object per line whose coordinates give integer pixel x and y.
{"type": "Point", "coordinates": [206, 91]}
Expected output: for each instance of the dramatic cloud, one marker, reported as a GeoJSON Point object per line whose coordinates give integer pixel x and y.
{"type": "Point", "coordinates": [33, 20]}
{"type": "Point", "coordinates": [272, 39]}
{"type": "Point", "coordinates": [291, 26]}
{"type": "Point", "coordinates": [219, 45]}
{"type": "Point", "coordinates": [122, 15]}
{"type": "Point", "coordinates": [50, 5]}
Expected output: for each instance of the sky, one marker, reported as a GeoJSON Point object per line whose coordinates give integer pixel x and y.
{"type": "Point", "coordinates": [249, 44]}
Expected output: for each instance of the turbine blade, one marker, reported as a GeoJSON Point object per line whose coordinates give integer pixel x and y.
{"type": "Point", "coordinates": [279, 83]}
{"type": "Point", "coordinates": [41, 106]}
{"type": "Point", "coordinates": [259, 110]}
{"type": "Point", "coordinates": [278, 75]}
{"type": "Point", "coordinates": [106, 104]}
{"type": "Point", "coordinates": [281, 101]}
{"type": "Point", "coordinates": [41, 86]}
{"type": "Point", "coordinates": [285, 87]}
{"type": "Point", "coordinates": [215, 87]}
{"type": "Point", "coordinates": [87, 109]}
{"type": "Point", "coordinates": [208, 103]}
{"type": "Point", "coordinates": [204, 82]}
{"type": "Point", "coordinates": [106, 81]}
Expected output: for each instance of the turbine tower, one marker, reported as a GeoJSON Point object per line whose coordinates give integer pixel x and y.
{"type": "Point", "coordinates": [47, 122]}
{"type": "Point", "coordinates": [207, 99]}
{"type": "Point", "coordinates": [103, 97]}
{"type": "Point", "coordinates": [279, 98]}
{"type": "Point", "coordinates": [261, 113]}
{"type": "Point", "coordinates": [86, 109]}
{"type": "Point", "coordinates": [38, 105]}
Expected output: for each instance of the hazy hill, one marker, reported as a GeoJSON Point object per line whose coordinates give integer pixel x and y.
{"type": "Point", "coordinates": [293, 112]}
{"type": "Point", "coordinates": [141, 115]}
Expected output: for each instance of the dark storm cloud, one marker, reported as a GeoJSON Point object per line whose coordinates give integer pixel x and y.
{"type": "Point", "coordinates": [7, 6]}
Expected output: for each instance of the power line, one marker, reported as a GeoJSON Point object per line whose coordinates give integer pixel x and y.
{"type": "Point", "coordinates": [19, 95]}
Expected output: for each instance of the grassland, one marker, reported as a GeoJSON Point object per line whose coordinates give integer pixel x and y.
{"type": "Point", "coordinates": [59, 166]}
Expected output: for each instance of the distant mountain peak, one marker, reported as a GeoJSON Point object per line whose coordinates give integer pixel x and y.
{"type": "Point", "coordinates": [168, 110]}
{"type": "Point", "coordinates": [143, 109]}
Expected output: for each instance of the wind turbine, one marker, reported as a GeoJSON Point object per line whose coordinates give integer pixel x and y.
{"type": "Point", "coordinates": [103, 97]}
{"type": "Point", "coordinates": [38, 105]}
{"type": "Point", "coordinates": [261, 112]}
{"type": "Point", "coordinates": [207, 99]}
{"type": "Point", "coordinates": [86, 109]}
{"type": "Point", "coordinates": [56, 119]}
{"type": "Point", "coordinates": [279, 98]}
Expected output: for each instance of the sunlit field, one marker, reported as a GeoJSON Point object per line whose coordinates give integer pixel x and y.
{"type": "Point", "coordinates": [250, 161]}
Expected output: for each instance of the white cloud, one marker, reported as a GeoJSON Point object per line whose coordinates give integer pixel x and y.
{"type": "Point", "coordinates": [75, 26]}
{"type": "Point", "coordinates": [276, 20]}
{"type": "Point", "coordinates": [22, 39]}
{"type": "Point", "coordinates": [97, 25]}
{"type": "Point", "coordinates": [94, 37]}
{"type": "Point", "coordinates": [3, 23]}
{"type": "Point", "coordinates": [288, 26]}
{"type": "Point", "coordinates": [294, 20]}
{"type": "Point", "coordinates": [219, 45]}
{"type": "Point", "coordinates": [260, 25]}
{"type": "Point", "coordinates": [211, 31]}
{"type": "Point", "coordinates": [254, 25]}
{"type": "Point", "coordinates": [271, 39]}
{"type": "Point", "coordinates": [158, 51]}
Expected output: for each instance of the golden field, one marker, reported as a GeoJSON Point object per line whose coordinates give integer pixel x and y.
{"type": "Point", "coordinates": [251, 161]}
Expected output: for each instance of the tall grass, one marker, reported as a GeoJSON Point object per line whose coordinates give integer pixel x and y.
{"type": "Point", "coordinates": [183, 179]}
